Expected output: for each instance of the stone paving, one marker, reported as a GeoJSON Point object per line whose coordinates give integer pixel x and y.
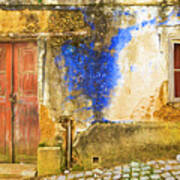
{"type": "Point", "coordinates": [152, 170]}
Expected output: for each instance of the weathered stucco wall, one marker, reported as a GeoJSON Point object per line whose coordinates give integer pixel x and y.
{"type": "Point", "coordinates": [99, 63]}
{"type": "Point", "coordinates": [102, 63]}
{"type": "Point", "coordinates": [40, 21]}
{"type": "Point", "coordinates": [50, 29]}
{"type": "Point", "coordinates": [144, 68]}
{"type": "Point", "coordinates": [114, 144]}
{"type": "Point", "coordinates": [119, 74]}
{"type": "Point", "coordinates": [121, 71]}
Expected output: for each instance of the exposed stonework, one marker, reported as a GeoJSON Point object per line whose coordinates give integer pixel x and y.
{"type": "Point", "coordinates": [29, 21]}
{"type": "Point", "coordinates": [66, 21]}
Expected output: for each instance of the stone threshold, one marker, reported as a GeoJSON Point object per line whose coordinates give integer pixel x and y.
{"type": "Point", "coordinates": [17, 171]}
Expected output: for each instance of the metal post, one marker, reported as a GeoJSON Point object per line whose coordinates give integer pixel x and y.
{"type": "Point", "coordinates": [69, 143]}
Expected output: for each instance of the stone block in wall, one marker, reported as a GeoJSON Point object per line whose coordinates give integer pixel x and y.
{"type": "Point", "coordinates": [49, 160]}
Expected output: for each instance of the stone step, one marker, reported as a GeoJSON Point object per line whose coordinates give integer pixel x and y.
{"type": "Point", "coordinates": [17, 171]}
{"type": "Point", "coordinates": [13, 179]}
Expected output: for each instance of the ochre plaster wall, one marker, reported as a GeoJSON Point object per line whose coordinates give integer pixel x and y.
{"type": "Point", "coordinates": [98, 64]}
{"type": "Point", "coordinates": [133, 43]}
{"type": "Point", "coordinates": [39, 21]}
{"type": "Point", "coordinates": [50, 29]}
{"type": "Point", "coordinates": [142, 60]}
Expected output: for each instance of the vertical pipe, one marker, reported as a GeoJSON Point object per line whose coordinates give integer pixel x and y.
{"type": "Point", "coordinates": [69, 143]}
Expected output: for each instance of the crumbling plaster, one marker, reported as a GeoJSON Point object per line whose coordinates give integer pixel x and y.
{"type": "Point", "coordinates": [134, 37]}
{"type": "Point", "coordinates": [134, 81]}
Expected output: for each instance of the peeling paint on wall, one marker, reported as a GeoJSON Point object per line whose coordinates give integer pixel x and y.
{"type": "Point", "coordinates": [116, 72]}
{"type": "Point", "coordinates": [96, 72]}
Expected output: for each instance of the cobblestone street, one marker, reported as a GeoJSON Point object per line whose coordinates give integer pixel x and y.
{"type": "Point", "coordinates": [160, 169]}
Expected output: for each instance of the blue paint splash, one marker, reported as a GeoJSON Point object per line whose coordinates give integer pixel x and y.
{"type": "Point", "coordinates": [92, 72]}
{"type": "Point", "coordinates": [178, 14]}
{"type": "Point", "coordinates": [123, 37]}
{"type": "Point", "coordinates": [95, 73]}
{"type": "Point", "coordinates": [168, 18]}
{"type": "Point", "coordinates": [118, 12]}
{"type": "Point", "coordinates": [132, 68]}
{"type": "Point", "coordinates": [87, 19]}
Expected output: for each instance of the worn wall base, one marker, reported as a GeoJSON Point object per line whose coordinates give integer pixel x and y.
{"type": "Point", "coordinates": [48, 160]}
{"type": "Point", "coordinates": [107, 145]}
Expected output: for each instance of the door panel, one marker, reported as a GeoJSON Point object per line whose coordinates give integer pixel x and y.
{"type": "Point", "coordinates": [5, 105]}
{"type": "Point", "coordinates": [177, 56]}
{"type": "Point", "coordinates": [28, 84]}
{"type": "Point", "coordinates": [177, 70]}
{"type": "Point", "coordinates": [26, 126]}
{"type": "Point", "coordinates": [19, 127]}
{"type": "Point", "coordinates": [177, 83]}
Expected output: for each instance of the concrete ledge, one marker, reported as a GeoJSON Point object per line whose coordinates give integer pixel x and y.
{"type": "Point", "coordinates": [85, 2]}
{"type": "Point", "coordinates": [48, 161]}
{"type": "Point", "coordinates": [107, 145]}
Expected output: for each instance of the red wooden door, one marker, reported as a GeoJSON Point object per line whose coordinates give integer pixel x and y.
{"type": "Point", "coordinates": [19, 127]}
{"type": "Point", "coordinates": [5, 105]}
{"type": "Point", "coordinates": [26, 126]}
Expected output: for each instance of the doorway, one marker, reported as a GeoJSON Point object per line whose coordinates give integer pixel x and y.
{"type": "Point", "coordinates": [19, 125]}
